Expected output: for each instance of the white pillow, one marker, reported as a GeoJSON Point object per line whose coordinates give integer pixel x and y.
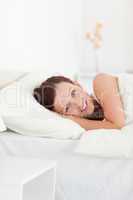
{"type": "Point", "coordinates": [111, 143]}
{"type": "Point", "coordinates": [23, 114]}
{"type": "Point", "coordinates": [8, 76]}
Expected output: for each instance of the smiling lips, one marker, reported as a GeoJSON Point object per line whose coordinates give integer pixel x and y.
{"type": "Point", "coordinates": [84, 105]}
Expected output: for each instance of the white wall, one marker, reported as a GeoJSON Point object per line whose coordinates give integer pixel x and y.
{"type": "Point", "coordinates": [42, 33]}
{"type": "Point", "coordinates": [50, 34]}
{"type": "Point", "coordinates": [116, 52]}
{"type": "Point", "coordinates": [129, 36]}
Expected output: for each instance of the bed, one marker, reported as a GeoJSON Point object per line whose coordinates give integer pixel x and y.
{"type": "Point", "coordinates": [78, 176]}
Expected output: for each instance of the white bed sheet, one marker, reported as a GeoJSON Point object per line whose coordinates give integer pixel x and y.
{"type": "Point", "coordinates": [79, 177]}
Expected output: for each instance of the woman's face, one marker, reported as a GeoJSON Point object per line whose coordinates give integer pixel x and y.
{"type": "Point", "coordinates": [72, 99]}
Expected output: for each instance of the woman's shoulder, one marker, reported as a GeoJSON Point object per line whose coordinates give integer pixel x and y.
{"type": "Point", "coordinates": [103, 76]}
{"type": "Point", "coordinates": [103, 82]}
{"type": "Point", "coordinates": [102, 79]}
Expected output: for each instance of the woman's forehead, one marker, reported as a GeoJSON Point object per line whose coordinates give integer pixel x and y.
{"type": "Point", "coordinates": [63, 89]}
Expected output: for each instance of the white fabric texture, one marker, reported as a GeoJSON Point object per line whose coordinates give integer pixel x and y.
{"type": "Point", "coordinates": [113, 142]}
{"type": "Point", "coordinates": [78, 177]}
{"type": "Point", "coordinates": [23, 114]}
{"type": "Point", "coordinates": [8, 76]}
{"type": "Point", "coordinates": [107, 143]}
{"type": "Point", "coordinates": [2, 125]}
{"type": "Point", "coordinates": [125, 84]}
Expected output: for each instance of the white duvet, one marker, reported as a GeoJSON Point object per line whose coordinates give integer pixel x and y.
{"type": "Point", "coordinates": [113, 142]}
{"type": "Point", "coordinates": [78, 177]}
{"type": "Point", "coordinates": [107, 143]}
{"type": "Point", "coordinates": [125, 84]}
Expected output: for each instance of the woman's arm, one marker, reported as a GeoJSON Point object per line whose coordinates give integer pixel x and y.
{"type": "Point", "coordinates": [93, 124]}
{"type": "Point", "coordinates": [106, 90]}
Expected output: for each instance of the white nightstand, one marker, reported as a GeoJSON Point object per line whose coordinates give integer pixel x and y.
{"type": "Point", "coordinates": [27, 179]}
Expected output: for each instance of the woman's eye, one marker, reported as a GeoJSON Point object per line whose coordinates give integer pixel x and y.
{"type": "Point", "coordinates": [73, 93]}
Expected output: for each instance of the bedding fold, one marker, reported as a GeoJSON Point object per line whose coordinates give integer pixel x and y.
{"type": "Point", "coordinates": [125, 85]}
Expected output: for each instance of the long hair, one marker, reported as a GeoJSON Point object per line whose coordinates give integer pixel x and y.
{"type": "Point", "coordinates": [98, 113]}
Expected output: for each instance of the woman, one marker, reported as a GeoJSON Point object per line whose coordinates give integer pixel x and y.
{"type": "Point", "coordinates": [103, 109]}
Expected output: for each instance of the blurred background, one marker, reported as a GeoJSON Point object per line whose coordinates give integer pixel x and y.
{"type": "Point", "coordinates": [51, 35]}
